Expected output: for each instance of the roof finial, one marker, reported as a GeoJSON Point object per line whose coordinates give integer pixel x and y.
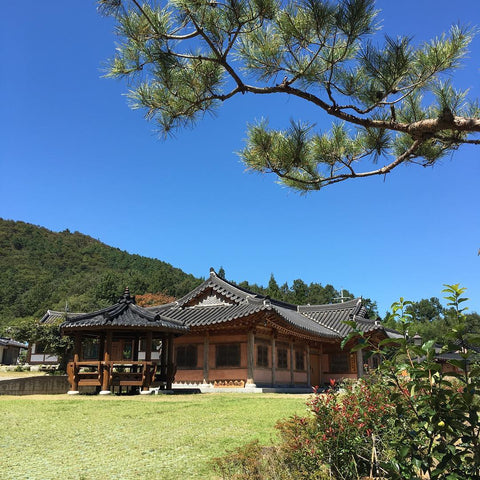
{"type": "Point", "coordinates": [126, 297]}
{"type": "Point", "coordinates": [212, 272]}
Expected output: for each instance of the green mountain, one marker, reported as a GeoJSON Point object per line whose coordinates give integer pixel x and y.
{"type": "Point", "coordinates": [41, 269]}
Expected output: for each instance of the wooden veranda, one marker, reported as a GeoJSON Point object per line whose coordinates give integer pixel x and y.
{"type": "Point", "coordinates": [122, 346]}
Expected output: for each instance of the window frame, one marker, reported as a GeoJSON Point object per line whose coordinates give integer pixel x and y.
{"type": "Point", "coordinates": [300, 355]}
{"type": "Point", "coordinates": [262, 356]}
{"type": "Point", "coordinates": [280, 357]}
{"type": "Point", "coordinates": [188, 356]}
{"type": "Point", "coordinates": [228, 355]}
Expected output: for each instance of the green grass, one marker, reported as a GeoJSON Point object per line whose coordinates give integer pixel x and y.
{"type": "Point", "coordinates": [154, 437]}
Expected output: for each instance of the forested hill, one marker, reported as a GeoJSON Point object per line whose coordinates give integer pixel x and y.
{"type": "Point", "coordinates": [40, 269]}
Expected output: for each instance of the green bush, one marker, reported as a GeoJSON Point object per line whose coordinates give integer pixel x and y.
{"type": "Point", "coordinates": [411, 419]}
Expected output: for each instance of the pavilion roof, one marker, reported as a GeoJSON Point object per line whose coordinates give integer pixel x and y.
{"type": "Point", "coordinates": [123, 314]}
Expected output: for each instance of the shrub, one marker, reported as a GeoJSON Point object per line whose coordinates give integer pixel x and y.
{"type": "Point", "coordinates": [411, 419]}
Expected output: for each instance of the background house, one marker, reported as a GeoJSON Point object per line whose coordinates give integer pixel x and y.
{"type": "Point", "coordinates": [10, 351]}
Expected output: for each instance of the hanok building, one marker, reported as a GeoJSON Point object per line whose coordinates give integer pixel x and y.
{"type": "Point", "coordinates": [237, 338]}
{"type": "Point", "coordinates": [217, 336]}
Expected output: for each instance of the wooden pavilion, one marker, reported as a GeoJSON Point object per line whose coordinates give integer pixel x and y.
{"type": "Point", "coordinates": [107, 344]}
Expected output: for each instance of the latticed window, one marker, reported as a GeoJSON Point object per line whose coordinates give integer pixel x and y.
{"type": "Point", "coordinates": [299, 360]}
{"type": "Point", "coordinates": [339, 363]}
{"type": "Point", "coordinates": [262, 356]}
{"type": "Point", "coordinates": [282, 358]}
{"type": "Point", "coordinates": [227, 355]}
{"type": "Point", "coordinates": [187, 356]}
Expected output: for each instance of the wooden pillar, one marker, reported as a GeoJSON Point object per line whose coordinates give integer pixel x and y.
{"type": "Point", "coordinates": [106, 366]}
{"type": "Point", "coordinates": [101, 346]}
{"type": "Point", "coordinates": [77, 348]}
{"type": "Point", "coordinates": [274, 359]}
{"type": "Point", "coordinates": [146, 370]}
{"type": "Point", "coordinates": [136, 341]}
{"type": "Point", "coordinates": [206, 348]}
{"type": "Point", "coordinates": [148, 346]}
{"type": "Point", "coordinates": [163, 361]}
{"type": "Point", "coordinates": [359, 363]}
{"type": "Point", "coordinates": [170, 365]}
{"type": "Point", "coordinates": [250, 356]}
{"type": "Point", "coordinates": [320, 367]}
{"type": "Point", "coordinates": [292, 378]}
{"type": "Point", "coordinates": [309, 370]}
{"type": "Point", "coordinates": [73, 370]}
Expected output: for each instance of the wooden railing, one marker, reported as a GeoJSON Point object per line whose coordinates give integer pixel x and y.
{"type": "Point", "coordinates": [118, 373]}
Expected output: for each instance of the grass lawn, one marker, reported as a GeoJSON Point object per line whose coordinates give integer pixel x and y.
{"type": "Point", "coordinates": [156, 437]}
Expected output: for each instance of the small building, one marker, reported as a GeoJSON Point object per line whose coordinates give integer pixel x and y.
{"type": "Point", "coordinates": [106, 347]}
{"type": "Point", "coordinates": [10, 351]}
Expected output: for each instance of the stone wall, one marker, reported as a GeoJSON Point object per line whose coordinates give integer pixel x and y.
{"type": "Point", "coordinates": [39, 385]}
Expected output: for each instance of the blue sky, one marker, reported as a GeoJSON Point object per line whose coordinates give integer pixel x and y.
{"type": "Point", "coordinates": [73, 155]}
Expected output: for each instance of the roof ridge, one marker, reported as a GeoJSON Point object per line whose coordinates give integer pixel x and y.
{"type": "Point", "coordinates": [331, 306]}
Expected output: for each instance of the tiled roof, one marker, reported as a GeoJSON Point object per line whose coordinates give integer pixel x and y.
{"type": "Point", "coordinates": [322, 320]}
{"type": "Point", "coordinates": [217, 301]}
{"type": "Point", "coordinates": [123, 314]}
{"type": "Point", "coordinates": [53, 317]}
{"type": "Point", "coordinates": [8, 342]}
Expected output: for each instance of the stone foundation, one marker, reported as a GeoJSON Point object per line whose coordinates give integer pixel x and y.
{"type": "Point", "coordinates": [39, 385]}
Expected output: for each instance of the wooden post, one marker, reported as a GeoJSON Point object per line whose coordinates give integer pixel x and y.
{"type": "Point", "coordinates": [135, 348]}
{"type": "Point", "coordinates": [163, 361]}
{"type": "Point", "coordinates": [292, 378]}
{"type": "Point", "coordinates": [359, 363]}
{"type": "Point", "coordinates": [77, 348]}
{"type": "Point", "coordinates": [73, 373]}
{"type": "Point", "coordinates": [206, 347]}
{"type": "Point", "coordinates": [170, 366]}
{"type": "Point", "coordinates": [148, 346]}
{"type": "Point", "coordinates": [274, 359]}
{"type": "Point", "coordinates": [309, 373]}
{"type": "Point", "coordinates": [250, 357]}
{"type": "Point", "coordinates": [148, 358]}
{"type": "Point", "coordinates": [320, 367]}
{"type": "Point", "coordinates": [106, 364]}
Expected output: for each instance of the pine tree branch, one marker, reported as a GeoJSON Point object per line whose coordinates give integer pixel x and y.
{"type": "Point", "coordinates": [332, 179]}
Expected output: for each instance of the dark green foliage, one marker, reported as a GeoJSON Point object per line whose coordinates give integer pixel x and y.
{"type": "Point", "coordinates": [46, 336]}
{"type": "Point", "coordinates": [387, 97]}
{"type": "Point", "coordinates": [429, 319]}
{"type": "Point", "coordinates": [41, 269]}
